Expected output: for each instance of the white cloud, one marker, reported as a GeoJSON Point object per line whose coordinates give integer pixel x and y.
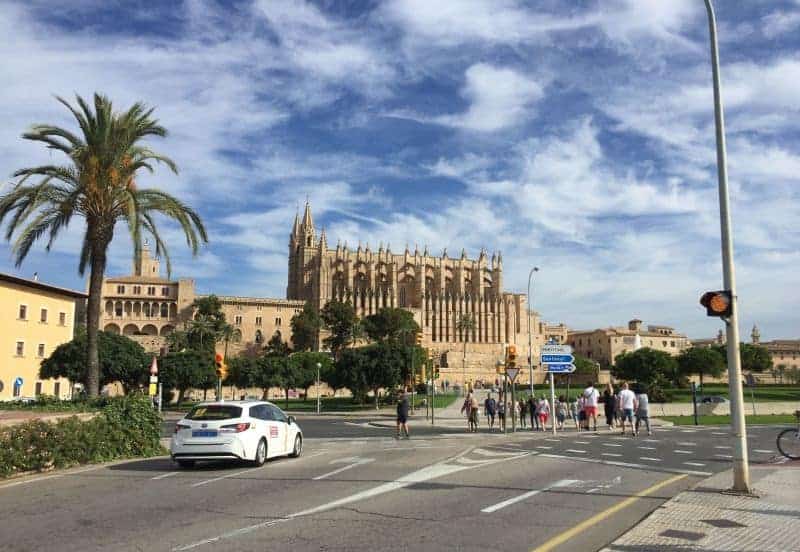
{"type": "Point", "coordinates": [499, 97]}
{"type": "Point", "coordinates": [779, 23]}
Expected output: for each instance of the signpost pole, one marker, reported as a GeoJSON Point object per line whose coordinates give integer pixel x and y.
{"type": "Point", "coordinates": [160, 395]}
{"type": "Point", "coordinates": [433, 393]}
{"type": "Point", "coordinates": [513, 407]}
{"type": "Point", "coordinates": [553, 400]}
{"type": "Point", "coordinates": [505, 401]}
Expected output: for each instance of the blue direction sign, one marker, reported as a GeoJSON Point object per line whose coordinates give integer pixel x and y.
{"type": "Point", "coordinates": [557, 359]}
{"type": "Point", "coordinates": [565, 368]}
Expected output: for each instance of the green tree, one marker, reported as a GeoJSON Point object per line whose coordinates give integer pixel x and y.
{"type": "Point", "coordinates": [121, 359]}
{"type": "Point", "coordinates": [340, 319]}
{"type": "Point", "coordinates": [202, 333]}
{"type": "Point", "coordinates": [651, 368]}
{"type": "Point", "coordinates": [701, 361]}
{"type": "Point", "coordinates": [184, 370]}
{"type": "Point", "coordinates": [306, 363]}
{"type": "Point", "coordinates": [306, 325]}
{"type": "Point", "coordinates": [391, 325]}
{"type": "Point", "coordinates": [276, 346]}
{"type": "Point", "coordinates": [382, 367]}
{"type": "Point", "coordinates": [755, 358]}
{"type": "Point", "coordinates": [264, 374]}
{"type": "Point", "coordinates": [349, 373]}
{"type": "Point", "coordinates": [98, 184]}
{"type": "Point", "coordinates": [586, 367]}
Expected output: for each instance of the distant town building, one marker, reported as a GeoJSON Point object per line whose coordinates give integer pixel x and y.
{"type": "Point", "coordinates": [438, 290]}
{"type": "Point", "coordinates": [604, 344]}
{"type": "Point", "coordinates": [257, 320]}
{"type": "Point", "coordinates": [38, 318]}
{"type": "Point", "coordinates": [785, 353]}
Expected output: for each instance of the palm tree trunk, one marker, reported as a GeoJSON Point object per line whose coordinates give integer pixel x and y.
{"type": "Point", "coordinates": [98, 268]}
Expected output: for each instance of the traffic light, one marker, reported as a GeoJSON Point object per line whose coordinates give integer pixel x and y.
{"type": "Point", "coordinates": [718, 303]}
{"type": "Point", "coordinates": [419, 338]}
{"type": "Point", "coordinates": [511, 356]}
{"type": "Point", "coordinates": [221, 367]}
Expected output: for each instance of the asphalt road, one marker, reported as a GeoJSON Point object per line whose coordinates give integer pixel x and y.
{"type": "Point", "coordinates": [370, 492]}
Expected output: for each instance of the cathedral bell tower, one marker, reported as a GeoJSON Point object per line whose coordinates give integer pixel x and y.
{"type": "Point", "coordinates": [302, 252]}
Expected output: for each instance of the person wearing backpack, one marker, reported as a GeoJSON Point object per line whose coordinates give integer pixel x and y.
{"type": "Point", "coordinates": [490, 405]}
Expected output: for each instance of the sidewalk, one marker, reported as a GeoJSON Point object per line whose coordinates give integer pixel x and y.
{"type": "Point", "coordinates": [705, 519]}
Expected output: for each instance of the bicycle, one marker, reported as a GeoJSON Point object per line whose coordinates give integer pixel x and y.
{"type": "Point", "coordinates": [789, 440]}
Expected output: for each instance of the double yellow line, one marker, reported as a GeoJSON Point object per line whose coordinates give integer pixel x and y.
{"type": "Point", "coordinates": [582, 526]}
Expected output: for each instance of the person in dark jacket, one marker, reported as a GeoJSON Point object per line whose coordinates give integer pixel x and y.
{"type": "Point", "coordinates": [609, 405]}
{"type": "Point", "coordinates": [402, 414]}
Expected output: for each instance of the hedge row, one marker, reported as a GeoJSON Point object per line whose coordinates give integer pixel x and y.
{"type": "Point", "coordinates": [126, 427]}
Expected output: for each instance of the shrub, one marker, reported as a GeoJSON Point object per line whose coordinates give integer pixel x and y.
{"type": "Point", "coordinates": [126, 427]}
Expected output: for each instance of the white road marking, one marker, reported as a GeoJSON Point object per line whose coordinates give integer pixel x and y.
{"type": "Point", "coordinates": [687, 444]}
{"type": "Point", "coordinates": [688, 431]}
{"type": "Point", "coordinates": [581, 442]}
{"type": "Point", "coordinates": [164, 475]}
{"type": "Point", "coordinates": [356, 461]}
{"type": "Point", "coordinates": [726, 456]}
{"type": "Point", "coordinates": [207, 481]}
{"type": "Point", "coordinates": [544, 447]}
{"type": "Point", "coordinates": [677, 451]}
{"type": "Point", "coordinates": [723, 446]}
{"type": "Point", "coordinates": [577, 451]}
{"type": "Point", "coordinates": [698, 464]}
{"type": "Point", "coordinates": [611, 454]}
{"type": "Point", "coordinates": [553, 440]}
{"type": "Point", "coordinates": [646, 448]}
{"type": "Point", "coordinates": [54, 476]}
{"type": "Point", "coordinates": [763, 451]}
{"type": "Point", "coordinates": [650, 440]}
{"type": "Point", "coordinates": [647, 458]}
{"type": "Point", "coordinates": [719, 433]}
{"type": "Point", "coordinates": [484, 452]}
{"type": "Point", "coordinates": [624, 464]}
{"type": "Point", "coordinates": [611, 445]}
{"type": "Point", "coordinates": [524, 496]}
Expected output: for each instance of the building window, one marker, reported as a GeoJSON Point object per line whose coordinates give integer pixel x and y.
{"type": "Point", "coordinates": [664, 343]}
{"type": "Point", "coordinates": [259, 336]}
{"type": "Point", "coordinates": [671, 343]}
{"type": "Point", "coordinates": [238, 307]}
{"type": "Point", "coordinates": [258, 320]}
{"type": "Point", "coordinates": [20, 348]}
{"type": "Point", "coordinates": [137, 290]}
{"type": "Point", "coordinates": [165, 291]}
{"type": "Point", "coordinates": [237, 320]}
{"type": "Point", "coordinates": [146, 310]}
{"type": "Point", "coordinates": [151, 290]}
{"type": "Point", "coordinates": [164, 310]}
{"type": "Point", "coordinates": [17, 390]}
{"type": "Point", "coordinates": [62, 319]}
{"type": "Point", "coordinates": [40, 350]}
{"type": "Point", "coordinates": [23, 312]}
{"type": "Point", "coordinates": [43, 316]}
{"type": "Point", "coordinates": [118, 309]}
{"type": "Point", "coordinates": [277, 321]}
{"type": "Point", "coordinates": [120, 289]}
{"type": "Point", "coordinates": [57, 389]}
{"type": "Point", "coordinates": [38, 388]}
{"type": "Point", "coordinates": [258, 307]}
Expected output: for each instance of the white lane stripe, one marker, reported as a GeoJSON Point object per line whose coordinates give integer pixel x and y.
{"type": "Point", "coordinates": [164, 475]}
{"type": "Point", "coordinates": [343, 468]}
{"type": "Point", "coordinates": [577, 451]}
{"type": "Point", "coordinates": [611, 445]}
{"type": "Point", "coordinates": [54, 476]}
{"type": "Point", "coordinates": [484, 452]}
{"type": "Point", "coordinates": [581, 442]}
{"type": "Point", "coordinates": [722, 447]}
{"type": "Point", "coordinates": [625, 464]}
{"type": "Point", "coordinates": [544, 447]}
{"type": "Point", "coordinates": [610, 454]}
{"type": "Point", "coordinates": [763, 451]}
{"type": "Point", "coordinates": [650, 440]}
{"type": "Point", "coordinates": [718, 433]}
{"type": "Point", "coordinates": [520, 498]}
{"type": "Point", "coordinates": [207, 481]}
{"type": "Point", "coordinates": [647, 458]}
{"type": "Point", "coordinates": [553, 440]}
{"type": "Point", "coordinates": [683, 451]}
{"type": "Point", "coordinates": [726, 456]}
{"type": "Point", "coordinates": [687, 444]}
{"type": "Point", "coordinates": [646, 448]}
{"type": "Point", "coordinates": [698, 464]}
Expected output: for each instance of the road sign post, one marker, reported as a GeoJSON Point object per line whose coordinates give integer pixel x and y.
{"type": "Point", "coordinates": [512, 374]}
{"type": "Point", "coordinates": [556, 359]}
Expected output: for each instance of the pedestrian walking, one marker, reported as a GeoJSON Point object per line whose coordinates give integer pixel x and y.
{"type": "Point", "coordinates": [523, 413]}
{"type": "Point", "coordinates": [490, 405]}
{"type": "Point", "coordinates": [532, 411]}
{"type": "Point", "coordinates": [591, 397]}
{"type": "Point", "coordinates": [643, 412]}
{"type": "Point", "coordinates": [466, 410]}
{"type": "Point", "coordinates": [573, 412]}
{"type": "Point", "coordinates": [627, 402]}
{"type": "Point", "coordinates": [561, 411]}
{"type": "Point", "coordinates": [609, 405]}
{"type": "Point", "coordinates": [544, 412]}
{"type": "Point", "coordinates": [473, 413]}
{"type": "Point", "coordinates": [501, 414]}
{"type": "Point", "coordinates": [402, 414]}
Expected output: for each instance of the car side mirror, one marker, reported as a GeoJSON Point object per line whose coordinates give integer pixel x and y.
{"type": "Point", "coordinates": [292, 420]}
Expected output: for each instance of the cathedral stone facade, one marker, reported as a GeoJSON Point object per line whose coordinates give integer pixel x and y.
{"type": "Point", "coordinates": [440, 291]}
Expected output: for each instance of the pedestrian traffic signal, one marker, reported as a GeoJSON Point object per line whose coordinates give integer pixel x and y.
{"type": "Point", "coordinates": [221, 367]}
{"type": "Point", "coordinates": [718, 303]}
{"type": "Point", "coordinates": [511, 356]}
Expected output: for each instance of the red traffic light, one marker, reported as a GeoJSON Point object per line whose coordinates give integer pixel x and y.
{"type": "Point", "coordinates": [717, 303]}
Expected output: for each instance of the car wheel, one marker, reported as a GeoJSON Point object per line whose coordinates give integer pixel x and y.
{"type": "Point", "coordinates": [261, 453]}
{"type": "Point", "coordinates": [298, 447]}
{"type": "Point", "coordinates": [186, 464]}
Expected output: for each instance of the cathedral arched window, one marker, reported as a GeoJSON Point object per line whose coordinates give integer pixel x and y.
{"type": "Point", "coordinates": [308, 241]}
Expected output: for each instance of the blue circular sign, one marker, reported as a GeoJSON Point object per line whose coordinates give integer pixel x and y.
{"type": "Point", "coordinates": [18, 382]}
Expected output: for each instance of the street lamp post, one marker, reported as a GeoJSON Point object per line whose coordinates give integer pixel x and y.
{"type": "Point", "coordinates": [319, 366]}
{"type": "Point", "coordinates": [530, 348]}
{"type": "Point", "coordinates": [741, 471]}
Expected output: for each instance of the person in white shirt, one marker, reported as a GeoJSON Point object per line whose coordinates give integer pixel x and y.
{"type": "Point", "coordinates": [627, 403]}
{"type": "Point", "coordinates": [590, 406]}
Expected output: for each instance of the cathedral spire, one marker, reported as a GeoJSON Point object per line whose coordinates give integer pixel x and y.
{"type": "Point", "coordinates": [296, 225]}
{"type": "Point", "coordinates": [323, 241]}
{"type": "Point", "coordinates": [308, 223]}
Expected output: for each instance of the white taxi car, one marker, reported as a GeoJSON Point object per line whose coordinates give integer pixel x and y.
{"type": "Point", "coordinates": [235, 430]}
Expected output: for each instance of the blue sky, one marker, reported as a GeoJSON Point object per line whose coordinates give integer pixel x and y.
{"type": "Point", "coordinates": [574, 136]}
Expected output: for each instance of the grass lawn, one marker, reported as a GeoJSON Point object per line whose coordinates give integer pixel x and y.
{"type": "Point", "coordinates": [762, 393]}
{"type": "Point", "coordinates": [441, 401]}
{"type": "Point", "coordinates": [725, 420]}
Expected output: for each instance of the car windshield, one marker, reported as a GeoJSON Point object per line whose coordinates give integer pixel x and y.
{"type": "Point", "coordinates": [214, 412]}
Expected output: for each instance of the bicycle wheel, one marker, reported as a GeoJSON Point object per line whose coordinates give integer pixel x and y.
{"type": "Point", "coordinates": [789, 443]}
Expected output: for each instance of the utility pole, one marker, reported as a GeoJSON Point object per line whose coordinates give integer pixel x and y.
{"type": "Point", "coordinates": [530, 347]}
{"type": "Point", "coordinates": [741, 469]}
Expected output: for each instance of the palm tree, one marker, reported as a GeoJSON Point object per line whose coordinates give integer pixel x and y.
{"type": "Point", "coordinates": [465, 325]}
{"type": "Point", "coordinates": [98, 184]}
{"type": "Point", "coordinates": [202, 328]}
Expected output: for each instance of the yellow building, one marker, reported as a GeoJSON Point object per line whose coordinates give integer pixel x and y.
{"type": "Point", "coordinates": [38, 318]}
